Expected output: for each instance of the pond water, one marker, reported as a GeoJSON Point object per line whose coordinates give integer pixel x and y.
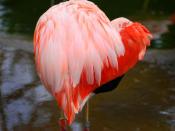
{"type": "Point", "coordinates": [144, 100]}
{"type": "Point", "coordinates": [19, 16]}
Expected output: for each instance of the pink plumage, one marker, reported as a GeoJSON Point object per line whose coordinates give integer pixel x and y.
{"type": "Point", "coordinates": [77, 49]}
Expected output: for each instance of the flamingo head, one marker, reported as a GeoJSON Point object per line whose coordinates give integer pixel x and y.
{"type": "Point", "coordinates": [134, 35]}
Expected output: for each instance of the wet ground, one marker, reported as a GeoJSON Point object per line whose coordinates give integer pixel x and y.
{"type": "Point", "coordinates": [144, 100]}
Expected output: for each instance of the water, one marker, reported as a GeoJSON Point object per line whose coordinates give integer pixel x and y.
{"type": "Point", "coordinates": [144, 100]}
{"type": "Point", "coordinates": [19, 16]}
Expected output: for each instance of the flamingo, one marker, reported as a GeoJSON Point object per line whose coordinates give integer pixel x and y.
{"type": "Point", "coordinates": [79, 52]}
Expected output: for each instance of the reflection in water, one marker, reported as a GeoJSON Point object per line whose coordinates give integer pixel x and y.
{"type": "Point", "coordinates": [22, 96]}
{"type": "Point", "coordinates": [76, 126]}
{"type": "Point", "coordinates": [144, 101]}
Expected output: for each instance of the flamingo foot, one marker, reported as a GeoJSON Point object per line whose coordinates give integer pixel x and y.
{"type": "Point", "coordinates": [86, 126]}
{"type": "Point", "coordinates": [62, 123]}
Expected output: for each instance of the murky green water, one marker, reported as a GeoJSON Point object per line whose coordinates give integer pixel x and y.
{"type": "Point", "coordinates": [144, 100]}
{"type": "Point", "coordinates": [19, 16]}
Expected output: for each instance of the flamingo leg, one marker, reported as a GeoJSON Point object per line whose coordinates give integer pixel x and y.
{"type": "Point", "coordinates": [62, 122]}
{"type": "Point", "coordinates": [87, 123]}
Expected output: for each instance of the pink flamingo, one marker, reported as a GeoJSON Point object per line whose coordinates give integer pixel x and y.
{"type": "Point", "coordinates": [79, 51]}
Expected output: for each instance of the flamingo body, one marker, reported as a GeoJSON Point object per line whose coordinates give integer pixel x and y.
{"type": "Point", "coordinates": [78, 49]}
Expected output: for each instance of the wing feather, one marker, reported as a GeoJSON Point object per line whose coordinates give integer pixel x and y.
{"type": "Point", "coordinates": [73, 41]}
